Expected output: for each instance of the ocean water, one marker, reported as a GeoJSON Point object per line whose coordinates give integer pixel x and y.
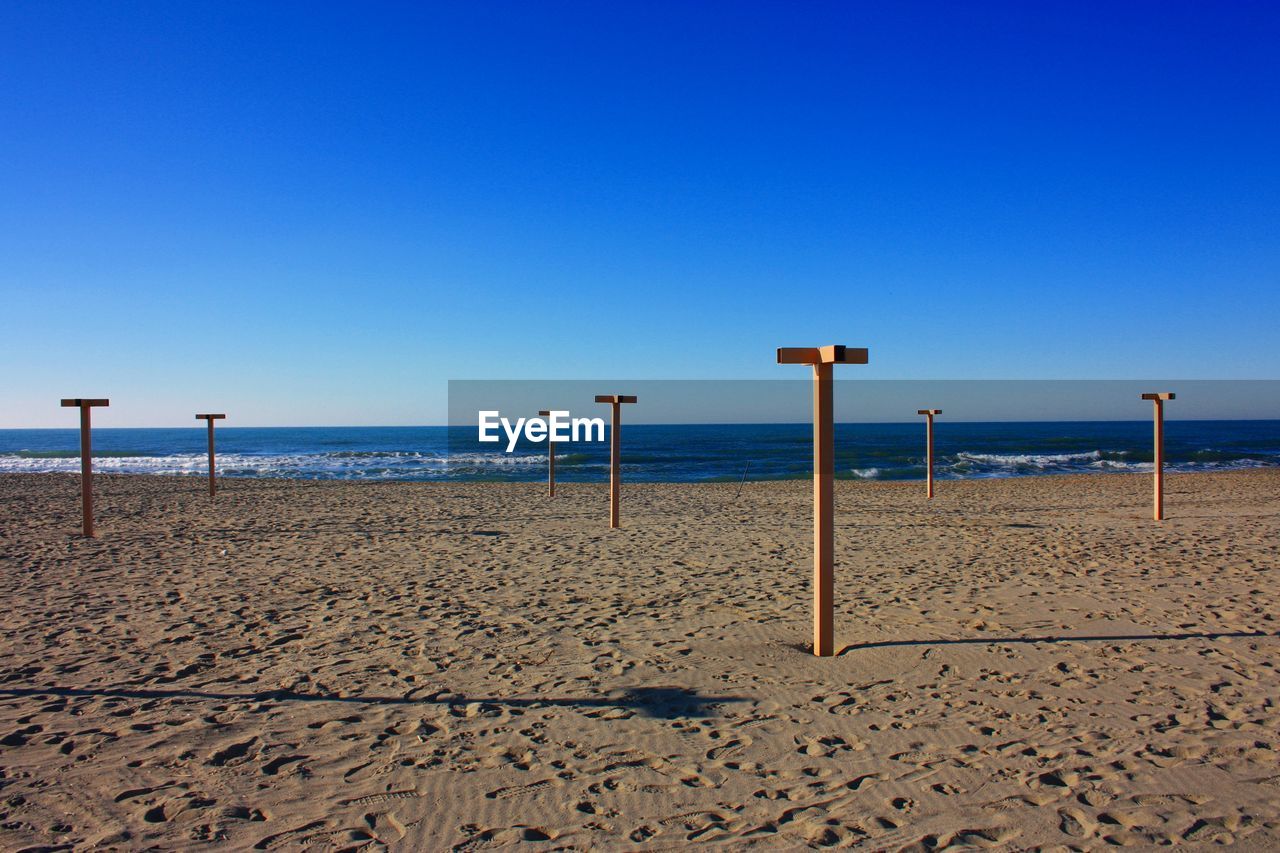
{"type": "Point", "coordinates": [685, 453]}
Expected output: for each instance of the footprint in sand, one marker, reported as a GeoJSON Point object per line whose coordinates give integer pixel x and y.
{"type": "Point", "coordinates": [167, 810]}
{"type": "Point", "coordinates": [728, 750]}
{"type": "Point", "coordinates": [825, 747]}
{"type": "Point", "coordinates": [234, 754]}
{"type": "Point", "coordinates": [1076, 823]}
{"type": "Point", "coordinates": [492, 838]}
{"type": "Point", "coordinates": [520, 790]}
{"type": "Point", "coordinates": [387, 796]}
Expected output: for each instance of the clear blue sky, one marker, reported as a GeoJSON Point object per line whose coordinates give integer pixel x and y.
{"type": "Point", "coordinates": [318, 214]}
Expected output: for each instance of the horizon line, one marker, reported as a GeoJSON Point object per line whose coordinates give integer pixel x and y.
{"type": "Point", "coordinates": [225, 426]}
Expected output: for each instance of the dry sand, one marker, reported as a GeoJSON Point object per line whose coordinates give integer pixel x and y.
{"type": "Point", "coordinates": [1025, 663]}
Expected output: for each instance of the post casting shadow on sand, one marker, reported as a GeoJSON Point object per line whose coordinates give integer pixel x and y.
{"type": "Point", "coordinates": [664, 703]}
{"type": "Point", "coordinates": [822, 359]}
{"type": "Point", "coordinates": [1057, 638]}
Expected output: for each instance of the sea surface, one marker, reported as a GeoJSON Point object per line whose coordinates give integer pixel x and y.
{"type": "Point", "coordinates": [685, 453]}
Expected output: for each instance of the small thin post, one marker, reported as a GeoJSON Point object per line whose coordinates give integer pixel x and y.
{"type": "Point", "coordinates": [824, 511]}
{"type": "Point", "coordinates": [213, 470]}
{"type": "Point", "coordinates": [615, 474]}
{"type": "Point", "coordinates": [1158, 468]}
{"type": "Point", "coordinates": [86, 472]}
{"type": "Point", "coordinates": [86, 458]}
{"type": "Point", "coordinates": [928, 432]}
{"type": "Point", "coordinates": [615, 454]}
{"type": "Point", "coordinates": [551, 459]}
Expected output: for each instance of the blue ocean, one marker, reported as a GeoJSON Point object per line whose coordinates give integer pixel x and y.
{"type": "Point", "coordinates": [654, 453]}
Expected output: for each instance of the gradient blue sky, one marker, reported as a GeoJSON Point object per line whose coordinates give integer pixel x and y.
{"type": "Point", "coordinates": [318, 214]}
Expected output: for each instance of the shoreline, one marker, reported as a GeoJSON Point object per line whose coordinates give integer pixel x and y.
{"type": "Point", "coordinates": [879, 452]}
{"type": "Point", "coordinates": [604, 480]}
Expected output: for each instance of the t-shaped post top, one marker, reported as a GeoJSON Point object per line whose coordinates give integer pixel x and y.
{"type": "Point", "coordinates": [78, 401]}
{"type": "Point", "coordinates": [929, 411]}
{"type": "Point", "coordinates": [834, 354]}
{"type": "Point", "coordinates": [210, 417]}
{"type": "Point", "coordinates": [613, 398]}
{"type": "Point", "coordinates": [1165, 396]}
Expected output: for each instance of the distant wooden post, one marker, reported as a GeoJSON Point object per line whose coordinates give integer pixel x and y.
{"type": "Point", "coordinates": [551, 459]}
{"type": "Point", "coordinates": [824, 452]}
{"type": "Point", "coordinates": [86, 459]}
{"type": "Point", "coordinates": [615, 451]}
{"type": "Point", "coordinates": [1159, 400]}
{"type": "Point", "coordinates": [213, 479]}
{"type": "Point", "coordinates": [928, 432]}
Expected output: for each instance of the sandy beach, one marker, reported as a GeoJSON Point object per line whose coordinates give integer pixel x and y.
{"type": "Point", "coordinates": [1024, 663]}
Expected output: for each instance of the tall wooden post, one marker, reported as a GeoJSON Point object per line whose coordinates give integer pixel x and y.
{"type": "Point", "coordinates": [1158, 497]}
{"type": "Point", "coordinates": [824, 512]}
{"type": "Point", "coordinates": [824, 535]}
{"type": "Point", "coordinates": [86, 459]}
{"type": "Point", "coordinates": [213, 477]}
{"type": "Point", "coordinates": [928, 440]}
{"type": "Point", "coordinates": [551, 459]}
{"type": "Point", "coordinates": [615, 452]}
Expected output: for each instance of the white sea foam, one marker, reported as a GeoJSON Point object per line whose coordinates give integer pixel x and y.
{"type": "Point", "coordinates": [341, 465]}
{"type": "Point", "coordinates": [174, 464]}
{"type": "Point", "coordinates": [1115, 466]}
{"type": "Point", "coordinates": [978, 465]}
{"type": "Point", "coordinates": [366, 465]}
{"type": "Point", "coordinates": [494, 459]}
{"type": "Point", "coordinates": [1031, 460]}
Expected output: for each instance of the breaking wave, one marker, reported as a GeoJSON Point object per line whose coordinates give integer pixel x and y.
{"type": "Point", "coordinates": [341, 465]}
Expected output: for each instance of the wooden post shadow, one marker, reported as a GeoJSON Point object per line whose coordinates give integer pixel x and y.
{"type": "Point", "coordinates": [928, 440]}
{"type": "Point", "coordinates": [1158, 497]}
{"type": "Point", "coordinates": [86, 459]}
{"type": "Point", "coordinates": [213, 478]}
{"type": "Point", "coordinates": [824, 452]}
{"type": "Point", "coordinates": [615, 451]}
{"type": "Point", "coordinates": [551, 459]}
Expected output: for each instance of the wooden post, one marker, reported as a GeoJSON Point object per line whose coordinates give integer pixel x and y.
{"type": "Point", "coordinates": [824, 535]}
{"type": "Point", "coordinates": [1158, 497]}
{"type": "Point", "coordinates": [824, 512]}
{"type": "Point", "coordinates": [615, 452]}
{"type": "Point", "coordinates": [928, 440]}
{"type": "Point", "coordinates": [551, 459]}
{"type": "Point", "coordinates": [213, 478]}
{"type": "Point", "coordinates": [86, 459]}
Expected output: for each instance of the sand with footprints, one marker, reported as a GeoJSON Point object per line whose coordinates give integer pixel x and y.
{"type": "Point", "coordinates": [1028, 662]}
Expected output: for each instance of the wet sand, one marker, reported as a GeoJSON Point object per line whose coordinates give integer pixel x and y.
{"type": "Point", "coordinates": [1024, 663]}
